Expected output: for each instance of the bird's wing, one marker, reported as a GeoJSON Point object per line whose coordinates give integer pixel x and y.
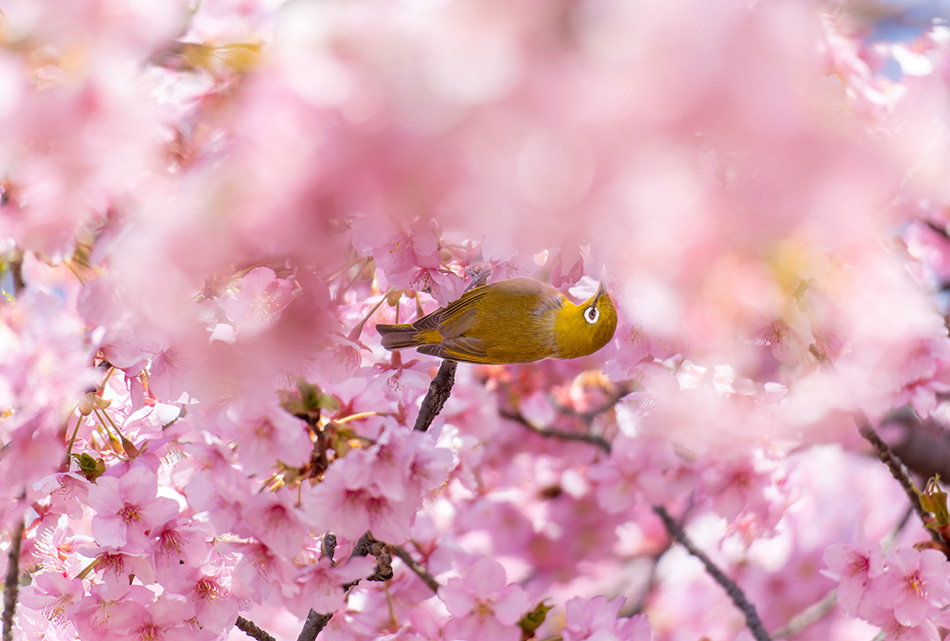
{"type": "Point", "coordinates": [465, 305]}
{"type": "Point", "coordinates": [466, 349]}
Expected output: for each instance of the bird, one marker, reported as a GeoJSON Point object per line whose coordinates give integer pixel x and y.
{"type": "Point", "coordinates": [518, 320]}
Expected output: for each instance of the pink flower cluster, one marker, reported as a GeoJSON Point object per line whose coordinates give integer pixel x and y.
{"type": "Point", "coordinates": [904, 592]}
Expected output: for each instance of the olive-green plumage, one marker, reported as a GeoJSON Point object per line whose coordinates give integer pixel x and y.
{"type": "Point", "coordinates": [512, 321]}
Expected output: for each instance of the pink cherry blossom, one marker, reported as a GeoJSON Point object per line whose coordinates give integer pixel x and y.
{"type": "Point", "coordinates": [54, 595]}
{"type": "Point", "coordinates": [127, 508]}
{"type": "Point", "coordinates": [258, 299]}
{"type": "Point", "coordinates": [319, 585]}
{"type": "Point", "coordinates": [914, 584]}
{"type": "Point", "coordinates": [259, 573]}
{"type": "Point", "coordinates": [855, 570]}
{"type": "Point", "coordinates": [267, 437]}
{"type": "Point", "coordinates": [637, 470]}
{"type": "Point", "coordinates": [180, 542]}
{"type": "Point", "coordinates": [597, 619]}
{"type": "Point", "coordinates": [483, 605]}
{"type": "Point", "coordinates": [378, 489]}
{"type": "Point", "coordinates": [207, 587]}
{"type": "Point", "coordinates": [893, 629]}
{"type": "Point", "coordinates": [164, 619]}
{"type": "Point", "coordinates": [97, 616]}
{"type": "Point", "coordinates": [273, 519]}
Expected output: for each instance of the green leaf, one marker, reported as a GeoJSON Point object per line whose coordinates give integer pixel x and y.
{"type": "Point", "coordinates": [91, 468]}
{"type": "Point", "coordinates": [533, 619]}
{"type": "Point", "coordinates": [934, 501]}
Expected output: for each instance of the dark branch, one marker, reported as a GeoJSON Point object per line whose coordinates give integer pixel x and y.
{"type": "Point", "coordinates": [249, 628]}
{"type": "Point", "coordinates": [753, 622]}
{"type": "Point", "coordinates": [439, 391]}
{"type": "Point", "coordinates": [402, 554]}
{"type": "Point", "coordinates": [315, 623]}
{"type": "Point", "coordinates": [898, 471]}
{"type": "Point", "coordinates": [922, 445]}
{"type": "Point", "coordinates": [584, 437]}
{"type": "Point", "coordinates": [329, 545]}
{"type": "Point", "coordinates": [12, 585]}
{"type": "Point", "coordinates": [16, 271]}
{"type": "Point", "coordinates": [368, 546]}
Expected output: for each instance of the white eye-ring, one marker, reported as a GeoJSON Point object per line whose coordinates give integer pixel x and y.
{"type": "Point", "coordinates": [591, 315]}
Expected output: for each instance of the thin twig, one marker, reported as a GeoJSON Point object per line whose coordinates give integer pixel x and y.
{"type": "Point", "coordinates": [621, 390]}
{"type": "Point", "coordinates": [584, 437]}
{"type": "Point", "coordinates": [753, 622]}
{"type": "Point", "coordinates": [403, 554]}
{"type": "Point", "coordinates": [888, 541]}
{"type": "Point", "coordinates": [898, 471]}
{"type": "Point", "coordinates": [631, 607]}
{"type": "Point", "coordinates": [315, 623]}
{"type": "Point", "coordinates": [810, 615]}
{"type": "Point", "coordinates": [12, 585]}
{"type": "Point", "coordinates": [439, 391]}
{"type": "Point", "coordinates": [250, 628]}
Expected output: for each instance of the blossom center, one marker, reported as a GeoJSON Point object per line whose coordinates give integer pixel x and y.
{"type": "Point", "coordinates": [858, 565]}
{"type": "Point", "coordinates": [130, 513]}
{"type": "Point", "coordinates": [206, 589]}
{"type": "Point", "coordinates": [483, 610]}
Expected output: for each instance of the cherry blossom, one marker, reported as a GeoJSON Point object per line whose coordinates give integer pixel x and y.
{"type": "Point", "coordinates": [127, 508]}
{"type": "Point", "coordinates": [483, 605]}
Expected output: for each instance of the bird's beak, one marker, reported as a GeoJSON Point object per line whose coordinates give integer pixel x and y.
{"type": "Point", "coordinates": [602, 286]}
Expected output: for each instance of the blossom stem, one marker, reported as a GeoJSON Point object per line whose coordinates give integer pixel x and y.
{"type": "Point", "coordinates": [72, 441]}
{"type": "Point", "coordinates": [356, 331]}
{"type": "Point", "coordinates": [753, 622]}
{"type": "Point", "coordinates": [126, 445]}
{"type": "Point", "coordinates": [89, 568]}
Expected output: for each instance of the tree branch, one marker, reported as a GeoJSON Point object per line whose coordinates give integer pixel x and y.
{"type": "Point", "coordinates": [16, 272]}
{"type": "Point", "coordinates": [899, 472]}
{"type": "Point", "coordinates": [753, 622]}
{"type": "Point", "coordinates": [439, 391]}
{"type": "Point", "coordinates": [249, 628]}
{"type": "Point", "coordinates": [402, 554]}
{"type": "Point", "coordinates": [368, 546]}
{"type": "Point", "coordinates": [584, 437]}
{"type": "Point", "coordinates": [12, 585]}
{"type": "Point", "coordinates": [315, 623]}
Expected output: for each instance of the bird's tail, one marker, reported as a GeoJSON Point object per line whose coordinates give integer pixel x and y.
{"type": "Point", "coordinates": [405, 335]}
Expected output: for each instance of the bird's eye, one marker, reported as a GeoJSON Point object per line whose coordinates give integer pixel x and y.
{"type": "Point", "coordinates": [591, 315]}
